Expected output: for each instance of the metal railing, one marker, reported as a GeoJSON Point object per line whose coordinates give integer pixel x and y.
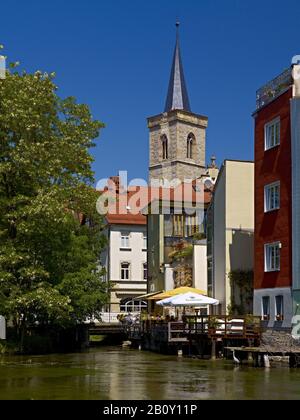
{"type": "Point", "coordinates": [273, 89]}
{"type": "Point", "coordinates": [214, 327]}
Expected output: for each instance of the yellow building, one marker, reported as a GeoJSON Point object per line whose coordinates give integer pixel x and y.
{"type": "Point", "coordinates": [231, 238]}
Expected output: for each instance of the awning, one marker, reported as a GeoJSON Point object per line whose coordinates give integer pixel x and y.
{"type": "Point", "coordinates": [149, 296]}
{"type": "Point", "coordinates": [175, 292]}
{"type": "Point", "coordinates": [193, 300]}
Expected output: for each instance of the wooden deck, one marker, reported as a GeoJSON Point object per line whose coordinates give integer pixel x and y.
{"type": "Point", "coordinates": [262, 351]}
{"type": "Point", "coordinates": [257, 354]}
{"type": "Point", "coordinates": [196, 330]}
{"type": "Point", "coordinates": [216, 328]}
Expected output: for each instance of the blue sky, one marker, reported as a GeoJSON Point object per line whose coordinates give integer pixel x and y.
{"type": "Point", "coordinates": [116, 55]}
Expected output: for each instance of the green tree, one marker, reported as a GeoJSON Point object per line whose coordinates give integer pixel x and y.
{"type": "Point", "coordinates": [48, 256]}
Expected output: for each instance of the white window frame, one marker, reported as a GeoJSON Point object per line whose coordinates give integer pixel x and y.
{"type": "Point", "coordinates": [268, 140]}
{"type": "Point", "coordinates": [145, 242]}
{"type": "Point", "coordinates": [126, 237]}
{"type": "Point", "coordinates": [277, 314]}
{"type": "Point", "coordinates": [268, 268]}
{"type": "Point", "coordinates": [266, 317]}
{"type": "Point", "coordinates": [266, 191]}
{"type": "Point", "coordinates": [129, 270]}
{"type": "Point", "coordinates": [133, 306]}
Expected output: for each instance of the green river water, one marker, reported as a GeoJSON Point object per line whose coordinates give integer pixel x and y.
{"type": "Point", "coordinates": [113, 373]}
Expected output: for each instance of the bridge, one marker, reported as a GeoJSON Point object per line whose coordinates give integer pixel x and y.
{"type": "Point", "coordinates": [109, 326]}
{"type": "Point", "coordinates": [106, 329]}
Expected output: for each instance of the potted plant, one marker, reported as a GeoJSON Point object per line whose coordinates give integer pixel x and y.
{"type": "Point", "coordinates": [213, 323]}
{"type": "Point", "coordinates": [199, 237]}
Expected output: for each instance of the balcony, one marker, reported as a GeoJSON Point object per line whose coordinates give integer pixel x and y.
{"type": "Point", "coordinates": [273, 89]}
{"type": "Point", "coordinates": [174, 241]}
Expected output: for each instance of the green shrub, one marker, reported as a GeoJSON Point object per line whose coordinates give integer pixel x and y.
{"type": "Point", "coordinates": [7, 347]}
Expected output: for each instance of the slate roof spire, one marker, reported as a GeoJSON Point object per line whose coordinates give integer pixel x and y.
{"type": "Point", "coordinates": [177, 94]}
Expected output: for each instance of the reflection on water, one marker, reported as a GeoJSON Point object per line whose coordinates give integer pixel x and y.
{"type": "Point", "coordinates": [114, 373]}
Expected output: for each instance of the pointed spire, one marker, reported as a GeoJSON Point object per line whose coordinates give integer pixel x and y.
{"type": "Point", "coordinates": [177, 93]}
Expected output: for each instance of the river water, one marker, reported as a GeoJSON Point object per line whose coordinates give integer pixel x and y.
{"type": "Point", "coordinates": [113, 373]}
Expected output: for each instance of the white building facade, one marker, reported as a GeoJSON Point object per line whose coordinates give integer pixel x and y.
{"type": "Point", "coordinates": [125, 262]}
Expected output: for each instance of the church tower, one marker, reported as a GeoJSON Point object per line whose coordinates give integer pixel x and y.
{"type": "Point", "coordinates": [177, 136]}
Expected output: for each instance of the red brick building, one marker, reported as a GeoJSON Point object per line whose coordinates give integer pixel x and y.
{"type": "Point", "coordinates": [277, 200]}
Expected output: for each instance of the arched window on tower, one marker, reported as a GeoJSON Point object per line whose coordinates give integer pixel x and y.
{"type": "Point", "coordinates": [191, 141]}
{"type": "Point", "coordinates": [165, 147]}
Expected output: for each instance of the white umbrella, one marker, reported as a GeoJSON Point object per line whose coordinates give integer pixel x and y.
{"type": "Point", "coordinates": [189, 299]}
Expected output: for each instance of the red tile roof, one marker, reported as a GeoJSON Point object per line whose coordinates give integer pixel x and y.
{"type": "Point", "coordinates": [127, 207]}
{"type": "Point", "coordinates": [126, 219]}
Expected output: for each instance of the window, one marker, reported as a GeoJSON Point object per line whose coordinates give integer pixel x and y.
{"type": "Point", "coordinates": [279, 308]}
{"type": "Point", "coordinates": [125, 240]}
{"type": "Point", "coordinates": [125, 271]}
{"type": "Point", "coordinates": [266, 308]}
{"type": "Point", "coordinates": [272, 134]}
{"type": "Point", "coordinates": [272, 257]}
{"type": "Point", "coordinates": [190, 143]}
{"type": "Point", "coordinates": [210, 286]}
{"type": "Point", "coordinates": [184, 225]}
{"type": "Point", "coordinates": [129, 305]}
{"type": "Point", "coordinates": [145, 271]}
{"type": "Point", "coordinates": [165, 148]}
{"type": "Point", "coordinates": [145, 242]}
{"type": "Point", "coordinates": [192, 224]}
{"type": "Point", "coordinates": [272, 197]}
{"type": "Point", "coordinates": [178, 225]}
{"type": "Point", "coordinates": [168, 225]}
{"type": "Point", "coordinates": [209, 234]}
